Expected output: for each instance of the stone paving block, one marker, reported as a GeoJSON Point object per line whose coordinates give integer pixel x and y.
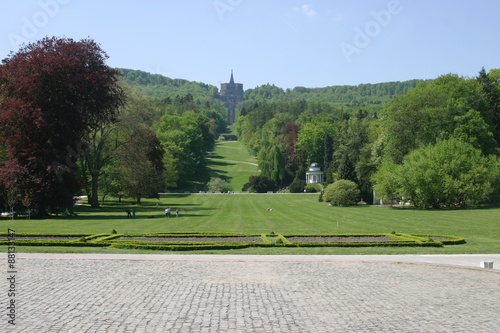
{"type": "Point", "coordinates": [249, 295]}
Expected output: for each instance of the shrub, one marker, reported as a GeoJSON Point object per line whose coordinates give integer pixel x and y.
{"type": "Point", "coordinates": [313, 188]}
{"type": "Point", "coordinates": [218, 185]}
{"type": "Point", "coordinates": [450, 173]}
{"type": "Point", "coordinates": [259, 184]}
{"type": "Point", "coordinates": [342, 193]}
{"type": "Point", "coordinates": [297, 186]}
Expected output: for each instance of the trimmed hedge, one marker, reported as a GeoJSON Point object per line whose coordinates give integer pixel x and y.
{"type": "Point", "coordinates": [449, 240]}
{"type": "Point", "coordinates": [397, 240]}
{"type": "Point", "coordinates": [37, 234]}
{"type": "Point", "coordinates": [50, 242]}
{"type": "Point", "coordinates": [268, 240]}
{"type": "Point", "coordinates": [186, 247]}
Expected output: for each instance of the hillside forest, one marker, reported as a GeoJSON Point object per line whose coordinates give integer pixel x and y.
{"type": "Point", "coordinates": [70, 125]}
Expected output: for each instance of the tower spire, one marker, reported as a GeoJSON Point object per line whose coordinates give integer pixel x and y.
{"type": "Point", "coordinates": [231, 80]}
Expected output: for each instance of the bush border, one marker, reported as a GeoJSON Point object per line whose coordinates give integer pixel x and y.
{"type": "Point", "coordinates": [114, 240]}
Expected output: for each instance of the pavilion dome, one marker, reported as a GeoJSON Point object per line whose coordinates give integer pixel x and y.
{"type": "Point", "coordinates": [314, 167]}
{"type": "Point", "coordinates": [314, 175]}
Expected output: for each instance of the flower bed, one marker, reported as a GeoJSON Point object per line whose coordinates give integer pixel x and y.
{"type": "Point", "coordinates": [222, 241]}
{"type": "Point", "coordinates": [237, 239]}
{"type": "Point", "coordinates": [333, 239]}
{"type": "Point", "coordinates": [47, 237]}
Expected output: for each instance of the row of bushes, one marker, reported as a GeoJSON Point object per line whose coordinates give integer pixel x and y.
{"type": "Point", "coordinates": [268, 240]}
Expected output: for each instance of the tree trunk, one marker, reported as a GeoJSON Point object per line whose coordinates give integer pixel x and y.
{"type": "Point", "coordinates": [94, 198]}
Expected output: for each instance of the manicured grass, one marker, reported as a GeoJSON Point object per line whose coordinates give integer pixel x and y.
{"type": "Point", "coordinates": [231, 161]}
{"type": "Point", "coordinates": [290, 214]}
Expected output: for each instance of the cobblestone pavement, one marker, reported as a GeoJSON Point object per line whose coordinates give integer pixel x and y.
{"type": "Point", "coordinates": [104, 293]}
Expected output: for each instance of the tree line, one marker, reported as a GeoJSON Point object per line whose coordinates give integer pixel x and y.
{"type": "Point", "coordinates": [160, 87]}
{"type": "Point", "coordinates": [69, 125]}
{"type": "Point", "coordinates": [445, 129]}
{"type": "Point", "coordinates": [370, 97]}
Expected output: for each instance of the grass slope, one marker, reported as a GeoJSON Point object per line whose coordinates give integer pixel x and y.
{"type": "Point", "coordinates": [232, 162]}
{"type": "Point", "coordinates": [291, 213]}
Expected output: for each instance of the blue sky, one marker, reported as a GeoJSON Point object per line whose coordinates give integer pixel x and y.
{"type": "Point", "coordinates": [283, 42]}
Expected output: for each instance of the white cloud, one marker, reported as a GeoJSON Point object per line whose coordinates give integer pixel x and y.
{"type": "Point", "coordinates": [306, 10]}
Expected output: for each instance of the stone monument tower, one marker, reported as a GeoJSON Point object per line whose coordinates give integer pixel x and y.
{"type": "Point", "coordinates": [231, 94]}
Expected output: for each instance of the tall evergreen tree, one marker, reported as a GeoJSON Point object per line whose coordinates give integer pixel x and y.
{"type": "Point", "coordinates": [491, 88]}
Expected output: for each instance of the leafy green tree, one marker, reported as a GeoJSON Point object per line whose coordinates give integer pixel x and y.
{"type": "Point", "coordinates": [272, 163]}
{"type": "Point", "coordinates": [490, 84]}
{"type": "Point", "coordinates": [342, 193]}
{"type": "Point", "coordinates": [451, 173]}
{"type": "Point", "coordinates": [174, 164]}
{"type": "Point", "coordinates": [297, 186]}
{"type": "Point", "coordinates": [472, 128]}
{"type": "Point", "coordinates": [166, 89]}
{"type": "Point", "coordinates": [315, 139]}
{"type": "Point", "coordinates": [368, 159]}
{"type": "Point", "coordinates": [217, 184]}
{"type": "Point", "coordinates": [428, 113]}
{"type": "Point", "coordinates": [140, 166]}
{"type": "Point", "coordinates": [259, 184]}
{"type": "Point", "coordinates": [105, 140]}
{"type": "Point", "coordinates": [408, 117]}
{"type": "Point", "coordinates": [185, 134]}
{"type": "Point", "coordinates": [352, 135]}
{"type": "Point", "coordinates": [388, 180]}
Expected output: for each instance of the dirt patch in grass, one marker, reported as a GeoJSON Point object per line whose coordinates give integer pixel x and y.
{"type": "Point", "coordinates": [20, 237]}
{"type": "Point", "coordinates": [196, 239]}
{"type": "Point", "coordinates": [333, 239]}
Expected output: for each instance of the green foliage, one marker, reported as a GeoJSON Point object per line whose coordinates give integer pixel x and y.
{"type": "Point", "coordinates": [360, 95]}
{"type": "Point", "coordinates": [272, 163]}
{"type": "Point", "coordinates": [235, 241]}
{"type": "Point", "coordinates": [187, 131]}
{"type": "Point", "coordinates": [163, 88]}
{"type": "Point", "coordinates": [388, 181]}
{"type": "Point", "coordinates": [490, 85]}
{"type": "Point", "coordinates": [449, 174]}
{"type": "Point", "coordinates": [342, 193]}
{"type": "Point", "coordinates": [259, 184]}
{"type": "Point", "coordinates": [297, 186]}
{"type": "Point", "coordinates": [395, 239]}
{"type": "Point", "coordinates": [431, 112]}
{"type": "Point", "coordinates": [292, 214]}
{"type": "Point", "coordinates": [218, 185]}
{"type": "Point", "coordinates": [232, 162]}
{"type": "Point", "coordinates": [472, 128]}
{"type": "Point", "coordinates": [313, 139]}
{"type": "Point", "coordinates": [312, 188]}
{"type": "Point", "coordinates": [140, 166]}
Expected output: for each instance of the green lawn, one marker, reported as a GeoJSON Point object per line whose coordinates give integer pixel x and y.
{"type": "Point", "coordinates": [231, 162]}
{"type": "Point", "coordinates": [291, 213]}
{"type": "Point", "coordinates": [249, 213]}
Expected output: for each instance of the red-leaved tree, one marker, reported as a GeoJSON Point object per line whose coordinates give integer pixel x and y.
{"type": "Point", "coordinates": [51, 93]}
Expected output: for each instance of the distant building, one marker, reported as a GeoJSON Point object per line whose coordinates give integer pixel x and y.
{"type": "Point", "coordinates": [314, 175]}
{"type": "Point", "coordinates": [231, 94]}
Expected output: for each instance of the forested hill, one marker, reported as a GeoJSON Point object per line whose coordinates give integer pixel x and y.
{"type": "Point", "coordinates": [362, 95]}
{"type": "Point", "coordinates": [377, 93]}
{"type": "Point", "coordinates": [161, 87]}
